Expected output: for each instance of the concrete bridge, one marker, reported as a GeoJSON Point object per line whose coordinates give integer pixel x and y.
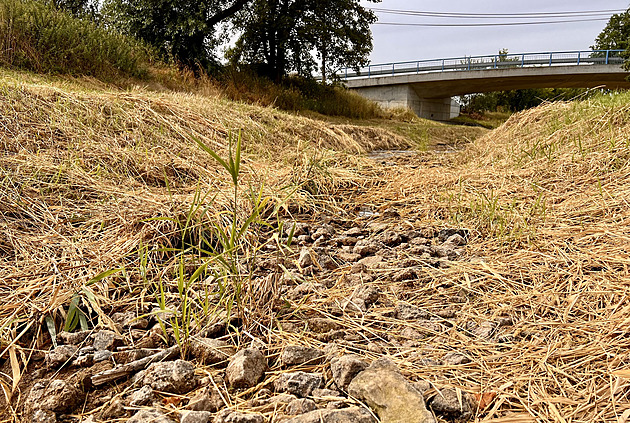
{"type": "Point", "coordinates": [427, 86]}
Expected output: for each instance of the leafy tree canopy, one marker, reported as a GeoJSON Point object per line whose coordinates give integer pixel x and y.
{"type": "Point", "coordinates": [283, 36]}
{"type": "Point", "coordinates": [184, 30]}
{"type": "Point", "coordinates": [616, 34]}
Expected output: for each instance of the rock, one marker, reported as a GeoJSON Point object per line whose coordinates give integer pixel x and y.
{"type": "Point", "coordinates": [486, 330]}
{"type": "Point", "coordinates": [361, 299]}
{"type": "Point", "coordinates": [366, 247]}
{"type": "Point", "coordinates": [345, 368]}
{"type": "Point", "coordinates": [354, 231]}
{"type": "Point", "coordinates": [389, 238]}
{"type": "Point", "coordinates": [298, 228]}
{"type": "Point", "coordinates": [175, 377]}
{"type": "Point", "coordinates": [149, 416]}
{"type": "Point", "coordinates": [295, 355]}
{"type": "Point", "coordinates": [114, 410]}
{"type": "Point", "coordinates": [60, 356]}
{"type": "Point", "coordinates": [323, 394]}
{"type": "Point", "coordinates": [300, 384]}
{"type": "Point", "coordinates": [345, 240]}
{"type": "Point", "coordinates": [142, 396]}
{"type": "Point", "coordinates": [448, 404]}
{"type": "Point", "coordinates": [73, 338]}
{"type": "Point", "coordinates": [107, 340]}
{"type": "Point", "coordinates": [196, 417]}
{"type": "Point", "coordinates": [348, 257]}
{"type": "Point", "coordinates": [101, 355]}
{"type": "Point", "coordinates": [236, 417]}
{"type": "Point", "coordinates": [304, 289]}
{"type": "Point", "coordinates": [246, 368]}
{"type": "Point", "coordinates": [322, 325]}
{"type": "Point", "coordinates": [57, 396]}
{"type": "Point", "coordinates": [422, 386]}
{"type": "Point", "coordinates": [445, 234]}
{"type": "Point", "coordinates": [456, 240]}
{"type": "Point", "coordinates": [130, 320]}
{"type": "Point", "coordinates": [406, 311]}
{"type": "Point", "coordinates": [404, 275]}
{"type": "Point", "coordinates": [300, 406]}
{"type": "Point", "coordinates": [345, 415]}
{"type": "Point", "coordinates": [454, 359]}
{"type": "Point", "coordinates": [305, 259]}
{"type": "Point", "coordinates": [391, 397]}
{"type": "Point", "coordinates": [43, 416]}
{"type": "Point", "coordinates": [211, 351]}
{"type": "Point", "coordinates": [208, 399]}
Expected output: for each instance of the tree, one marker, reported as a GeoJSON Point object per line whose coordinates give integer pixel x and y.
{"type": "Point", "coordinates": [184, 30]}
{"type": "Point", "coordinates": [282, 36]}
{"type": "Point", "coordinates": [616, 34]}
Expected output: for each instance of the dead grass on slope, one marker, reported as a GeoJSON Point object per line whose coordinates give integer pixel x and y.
{"type": "Point", "coordinates": [547, 199]}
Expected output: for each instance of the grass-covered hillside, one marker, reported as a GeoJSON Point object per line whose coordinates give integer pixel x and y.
{"type": "Point", "coordinates": [109, 203]}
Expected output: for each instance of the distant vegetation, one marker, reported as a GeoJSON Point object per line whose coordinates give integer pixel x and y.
{"type": "Point", "coordinates": [517, 100]}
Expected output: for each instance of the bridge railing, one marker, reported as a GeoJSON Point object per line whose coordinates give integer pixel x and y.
{"type": "Point", "coordinates": [496, 61]}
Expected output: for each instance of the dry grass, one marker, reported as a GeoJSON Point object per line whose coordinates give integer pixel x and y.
{"type": "Point", "coordinates": [545, 196]}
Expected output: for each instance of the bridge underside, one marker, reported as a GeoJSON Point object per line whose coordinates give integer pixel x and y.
{"type": "Point", "coordinates": [429, 95]}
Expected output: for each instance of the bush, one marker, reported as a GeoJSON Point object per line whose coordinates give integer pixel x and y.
{"type": "Point", "coordinates": [298, 94]}
{"type": "Point", "coordinates": [40, 38]}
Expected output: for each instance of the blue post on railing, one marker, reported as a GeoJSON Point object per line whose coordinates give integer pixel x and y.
{"type": "Point", "coordinates": [523, 61]}
{"type": "Point", "coordinates": [496, 59]}
{"type": "Point", "coordinates": [393, 69]}
{"type": "Point", "coordinates": [442, 65]}
{"type": "Point", "coordinates": [550, 58]}
{"type": "Point", "coordinates": [469, 63]}
{"type": "Point", "coordinates": [369, 71]}
{"type": "Point", "coordinates": [607, 54]}
{"type": "Point", "coordinates": [579, 54]}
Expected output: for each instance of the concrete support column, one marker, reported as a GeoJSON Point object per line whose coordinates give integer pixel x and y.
{"type": "Point", "coordinates": [393, 96]}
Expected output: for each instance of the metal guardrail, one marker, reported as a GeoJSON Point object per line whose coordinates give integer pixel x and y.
{"type": "Point", "coordinates": [496, 61]}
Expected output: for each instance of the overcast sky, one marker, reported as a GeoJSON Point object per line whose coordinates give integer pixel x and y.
{"type": "Point", "coordinates": [401, 43]}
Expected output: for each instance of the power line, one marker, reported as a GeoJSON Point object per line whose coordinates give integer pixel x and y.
{"type": "Point", "coordinates": [533, 15]}
{"type": "Point", "coordinates": [487, 24]}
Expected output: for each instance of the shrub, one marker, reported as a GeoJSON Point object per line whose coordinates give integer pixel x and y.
{"type": "Point", "coordinates": [38, 37]}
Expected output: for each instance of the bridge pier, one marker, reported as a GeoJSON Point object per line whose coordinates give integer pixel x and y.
{"type": "Point", "coordinates": [393, 96]}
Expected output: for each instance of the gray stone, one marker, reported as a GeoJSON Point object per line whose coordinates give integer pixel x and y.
{"type": "Point", "coordinates": [130, 320]}
{"type": "Point", "coordinates": [102, 355]}
{"type": "Point", "coordinates": [389, 238]}
{"type": "Point", "coordinates": [150, 416]}
{"type": "Point", "coordinates": [448, 404]}
{"type": "Point", "coordinates": [73, 338]}
{"type": "Point", "coordinates": [142, 396]}
{"type": "Point", "coordinates": [114, 410]}
{"type": "Point", "coordinates": [107, 340]}
{"type": "Point", "coordinates": [406, 311]}
{"type": "Point", "coordinates": [196, 417]}
{"type": "Point", "coordinates": [345, 368]}
{"type": "Point", "coordinates": [391, 397]}
{"type": "Point", "coordinates": [366, 247]}
{"type": "Point", "coordinates": [486, 330]}
{"type": "Point", "coordinates": [455, 358]}
{"type": "Point", "coordinates": [300, 384]}
{"type": "Point", "coordinates": [57, 395]}
{"type": "Point", "coordinates": [43, 416]}
{"type": "Point", "coordinates": [300, 406]}
{"type": "Point", "coordinates": [246, 368]}
{"type": "Point", "coordinates": [176, 377]}
{"type": "Point", "coordinates": [211, 351]}
{"type": "Point", "coordinates": [237, 417]}
{"type": "Point", "coordinates": [60, 356]}
{"type": "Point", "coordinates": [305, 259]}
{"type": "Point", "coordinates": [207, 399]}
{"type": "Point", "coordinates": [344, 415]}
{"type": "Point", "coordinates": [354, 231]}
{"type": "Point", "coordinates": [456, 239]}
{"type": "Point", "coordinates": [295, 355]}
